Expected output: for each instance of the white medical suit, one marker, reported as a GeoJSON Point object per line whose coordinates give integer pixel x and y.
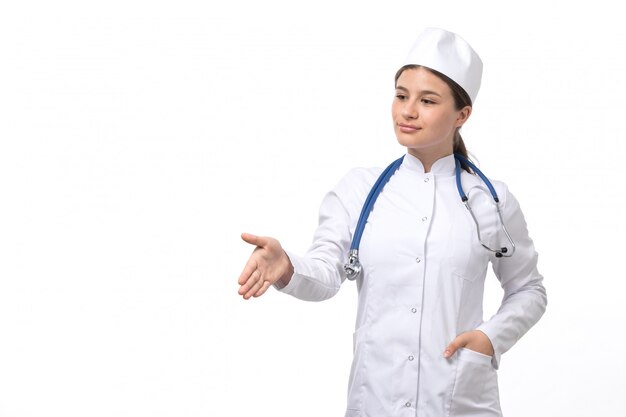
{"type": "Point", "coordinates": [422, 285]}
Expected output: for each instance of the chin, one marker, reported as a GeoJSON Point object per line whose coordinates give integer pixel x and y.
{"type": "Point", "coordinates": [411, 144]}
{"type": "Point", "coordinates": [420, 145]}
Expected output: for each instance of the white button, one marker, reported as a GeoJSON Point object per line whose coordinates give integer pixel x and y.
{"type": "Point", "coordinates": [408, 404]}
{"type": "Point", "coordinates": [418, 260]}
{"type": "Point", "coordinates": [411, 358]}
{"type": "Point", "coordinates": [424, 218]}
{"type": "Point", "coordinates": [426, 179]}
{"type": "Point", "coordinates": [413, 310]}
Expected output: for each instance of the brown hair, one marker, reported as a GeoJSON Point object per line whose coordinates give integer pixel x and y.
{"type": "Point", "coordinates": [461, 99]}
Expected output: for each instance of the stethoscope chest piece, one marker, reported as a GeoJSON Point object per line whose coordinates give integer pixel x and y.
{"type": "Point", "coordinates": [353, 268]}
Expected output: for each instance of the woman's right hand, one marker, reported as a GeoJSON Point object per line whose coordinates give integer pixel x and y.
{"type": "Point", "coordinates": [267, 264]}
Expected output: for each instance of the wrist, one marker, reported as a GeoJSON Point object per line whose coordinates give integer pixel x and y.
{"type": "Point", "coordinates": [286, 276]}
{"type": "Point", "coordinates": [485, 343]}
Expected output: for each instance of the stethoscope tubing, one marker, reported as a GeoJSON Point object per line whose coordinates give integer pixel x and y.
{"type": "Point", "coordinates": [353, 267]}
{"type": "Point", "coordinates": [458, 158]}
{"type": "Point", "coordinates": [371, 199]}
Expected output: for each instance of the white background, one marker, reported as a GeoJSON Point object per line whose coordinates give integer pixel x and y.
{"type": "Point", "coordinates": [140, 138]}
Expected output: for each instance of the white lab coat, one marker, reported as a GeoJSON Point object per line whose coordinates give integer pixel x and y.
{"type": "Point", "coordinates": [423, 284]}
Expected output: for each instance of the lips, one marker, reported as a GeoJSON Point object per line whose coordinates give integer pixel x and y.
{"type": "Point", "coordinates": [407, 128]}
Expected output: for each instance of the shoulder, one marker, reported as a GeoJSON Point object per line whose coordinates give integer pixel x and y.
{"type": "Point", "coordinates": [506, 197]}
{"type": "Point", "coordinates": [359, 177]}
{"type": "Point", "coordinates": [353, 188]}
{"type": "Point", "coordinates": [508, 203]}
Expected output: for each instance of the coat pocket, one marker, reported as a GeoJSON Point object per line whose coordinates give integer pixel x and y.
{"type": "Point", "coordinates": [357, 373]}
{"type": "Point", "coordinates": [475, 386]}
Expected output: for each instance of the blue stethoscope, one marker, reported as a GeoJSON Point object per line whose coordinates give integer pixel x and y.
{"type": "Point", "coordinates": [353, 268]}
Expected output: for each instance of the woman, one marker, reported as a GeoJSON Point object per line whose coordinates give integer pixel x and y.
{"type": "Point", "coordinates": [421, 346]}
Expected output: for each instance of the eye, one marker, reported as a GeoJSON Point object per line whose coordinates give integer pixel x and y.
{"type": "Point", "coordinates": [427, 101]}
{"type": "Point", "coordinates": [400, 96]}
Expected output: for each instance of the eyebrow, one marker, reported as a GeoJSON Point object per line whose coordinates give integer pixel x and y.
{"type": "Point", "coordinates": [424, 92]}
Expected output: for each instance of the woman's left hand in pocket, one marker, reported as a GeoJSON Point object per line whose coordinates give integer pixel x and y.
{"type": "Point", "coordinates": [473, 340]}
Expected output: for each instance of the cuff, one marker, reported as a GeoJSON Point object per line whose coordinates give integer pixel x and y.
{"type": "Point", "coordinates": [495, 358]}
{"type": "Point", "coordinates": [295, 262]}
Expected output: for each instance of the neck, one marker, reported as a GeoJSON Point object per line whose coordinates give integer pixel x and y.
{"type": "Point", "coordinates": [428, 158]}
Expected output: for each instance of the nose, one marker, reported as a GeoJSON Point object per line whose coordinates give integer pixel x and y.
{"type": "Point", "coordinates": [409, 111]}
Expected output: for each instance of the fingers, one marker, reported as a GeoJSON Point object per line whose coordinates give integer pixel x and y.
{"type": "Point", "coordinates": [248, 270]}
{"type": "Point", "coordinates": [265, 261]}
{"type": "Point", "coordinates": [264, 287]}
{"type": "Point", "coordinates": [458, 342]}
{"type": "Point", "coordinates": [251, 284]}
{"type": "Point", "coordinates": [474, 340]}
{"type": "Point", "coordinates": [256, 286]}
{"type": "Point", "coordinates": [254, 239]}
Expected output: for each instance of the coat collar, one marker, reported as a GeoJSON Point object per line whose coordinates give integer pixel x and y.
{"type": "Point", "coordinates": [442, 167]}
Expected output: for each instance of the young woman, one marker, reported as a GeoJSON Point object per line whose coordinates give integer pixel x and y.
{"type": "Point", "coordinates": [421, 346]}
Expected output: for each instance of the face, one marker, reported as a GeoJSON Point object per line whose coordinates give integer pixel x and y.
{"type": "Point", "coordinates": [424, 114]}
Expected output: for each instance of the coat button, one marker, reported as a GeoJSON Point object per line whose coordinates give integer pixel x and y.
{"type": "Point", "coordinates": [426, 179]}
{"type": "Point", "coordinates": [418, 260]}
{"type": "Point", "coordinates": [408, 404]}
{"type": "Point", "coordinates": [411, 358]}
{"type": "Point", "coordinates": [424, 218]}
{"type": "Point", "coordinates": [413, 310]}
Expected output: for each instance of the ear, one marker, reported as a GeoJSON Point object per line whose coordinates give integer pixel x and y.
{"type": "Point", "coordinates": [463, 115]}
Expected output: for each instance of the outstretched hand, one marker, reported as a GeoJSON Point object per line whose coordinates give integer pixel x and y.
{"type": "Point", "coordinates": [474, 340]}
{"type": "Point", "coordinates": [267, 264]}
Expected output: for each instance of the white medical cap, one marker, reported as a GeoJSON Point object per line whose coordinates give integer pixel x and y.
{"type": "Point", "coordinates": [449, 54]}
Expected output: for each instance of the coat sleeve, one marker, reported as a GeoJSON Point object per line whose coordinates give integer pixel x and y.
{"type": "Point", "coordinates": [524, 300]}
{"type": "Point", "coordinates": [319, 273]}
